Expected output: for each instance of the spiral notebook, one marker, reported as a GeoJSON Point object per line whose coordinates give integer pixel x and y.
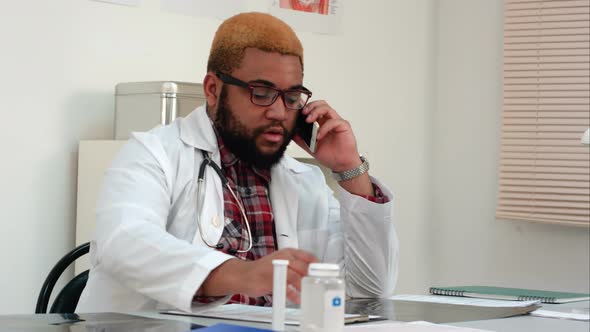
{"type": "Point", "coordinates": [514, 294]}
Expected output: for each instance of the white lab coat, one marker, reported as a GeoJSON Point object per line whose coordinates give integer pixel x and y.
{"type": "Point", "coordinates": [147, 252]}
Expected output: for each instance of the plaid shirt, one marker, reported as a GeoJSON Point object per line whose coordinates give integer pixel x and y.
{"type": "Point", "coordinates": [250, 185]}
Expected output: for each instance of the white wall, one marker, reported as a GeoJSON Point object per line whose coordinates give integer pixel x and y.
{"type": "Point", "coordinates": [60, 61]}
{"type": "Point", "coordinates": [420, 80]}
{"type": "Point", "coordinates": [469, 245]}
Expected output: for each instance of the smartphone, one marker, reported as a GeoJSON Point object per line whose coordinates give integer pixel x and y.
{"type": "Point", "coordinates": [307, 131]}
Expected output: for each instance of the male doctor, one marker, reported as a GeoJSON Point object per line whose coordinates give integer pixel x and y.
{"type": "Point", "coordinates": [193, 213]}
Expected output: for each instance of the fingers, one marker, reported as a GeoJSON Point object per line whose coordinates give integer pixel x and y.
{"type": "Point", "coordinates": [299, 261]}
{"type": "Point", "coordinates": [293, 295]}
{"type": "Point", "coordinates": [299, 265]}
{"type": "Point", "coordinates": [333, 126]}
{"type": "Point", "coordinates": [294, 279]}
{"type": "Point", "coordinates": [304, 256]}
{"type": "Point", "coordinates": [319, 111]}
{"type": "Point", "coordinates": [326, 116]}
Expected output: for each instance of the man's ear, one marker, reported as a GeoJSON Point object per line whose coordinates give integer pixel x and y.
{"type": "Point", "coordinates": [212, 89]}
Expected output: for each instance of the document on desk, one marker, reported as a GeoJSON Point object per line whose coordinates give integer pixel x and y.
{"type": "Point", "coordinates": [258, 314]}
{"type": "Point", "coordinates": [464, 301]}
{"type": "Point", "coordinates": [408, 327]}
{"type": "Point", "coordinates": [572, 314]}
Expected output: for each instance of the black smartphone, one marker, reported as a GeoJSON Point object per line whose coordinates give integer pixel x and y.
{"type": "Point", "coordinates": [307, 131]}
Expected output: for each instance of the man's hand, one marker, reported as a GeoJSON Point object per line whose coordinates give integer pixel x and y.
{"type": "Point", "coordinates": [336, 146]}
{"type": "Point", "coordinates": [254, 278]}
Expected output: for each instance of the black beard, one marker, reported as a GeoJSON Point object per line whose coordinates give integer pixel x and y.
{"type": "Point", "coordinates": [236, 138]}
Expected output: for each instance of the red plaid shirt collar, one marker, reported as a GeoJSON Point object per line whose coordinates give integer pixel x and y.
{"type": "Point", "coordinates": [228, 159]}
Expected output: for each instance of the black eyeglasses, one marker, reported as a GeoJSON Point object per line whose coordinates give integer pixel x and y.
{"type": "Point", "coordinates": [262, 95]}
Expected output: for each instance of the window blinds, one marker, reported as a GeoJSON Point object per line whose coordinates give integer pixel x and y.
{"type": "Point", "coordinates": [544, 169]}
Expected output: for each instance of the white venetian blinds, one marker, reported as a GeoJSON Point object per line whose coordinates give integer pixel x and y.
{"type": "Point", "coordinates": [544, 169]}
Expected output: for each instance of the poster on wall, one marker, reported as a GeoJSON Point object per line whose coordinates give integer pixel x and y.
{"type": "Point", "coordinates": [220, 9]}
{"type": "Point", "coordinates": [319, 16]}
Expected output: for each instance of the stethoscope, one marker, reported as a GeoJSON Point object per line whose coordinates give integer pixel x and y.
{"type": "Point", "coordinates": [201, 197]}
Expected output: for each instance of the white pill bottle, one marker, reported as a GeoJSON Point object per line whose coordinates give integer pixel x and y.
{"type": "Point", "coordinates": [322, 299]}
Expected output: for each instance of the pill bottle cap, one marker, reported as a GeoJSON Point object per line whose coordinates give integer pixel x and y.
{"type": "Point", "coordinates": [323, 270]}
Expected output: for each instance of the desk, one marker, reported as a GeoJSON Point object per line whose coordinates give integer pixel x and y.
{"type": "Point", "coordinates": [398, 310]}
{"type": "Point", "coordinates": [532, 323]}
{"type": "Point", "coordinates": [185, 323]}
{"type": "Point", "coordinates": [524, 323]}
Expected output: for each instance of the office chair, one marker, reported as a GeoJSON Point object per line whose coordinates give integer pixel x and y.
{"type": "Point", "coordinates": [67, 300]}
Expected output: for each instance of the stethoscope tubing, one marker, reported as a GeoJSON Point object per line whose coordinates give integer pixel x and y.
{"type": "Point", "coordinates": [207, 161]}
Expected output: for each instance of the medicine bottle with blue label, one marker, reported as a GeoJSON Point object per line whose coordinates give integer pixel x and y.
{"type": "Point", "coordinates": [322, 299]}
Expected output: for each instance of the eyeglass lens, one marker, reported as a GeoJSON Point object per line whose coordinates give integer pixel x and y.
{"type": "Point", "coordinates": [265, 96]}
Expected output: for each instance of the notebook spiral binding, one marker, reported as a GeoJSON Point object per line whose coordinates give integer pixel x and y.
{"type": "Point", "coordinates": [446, 292]}
{"type": "Point", "coordinates": [449, 292]}
{"type": "Point", "coordinates": [538, 298]}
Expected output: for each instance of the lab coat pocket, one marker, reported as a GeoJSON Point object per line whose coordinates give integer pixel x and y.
{"type": "Point", "coordinates": [314, 241]}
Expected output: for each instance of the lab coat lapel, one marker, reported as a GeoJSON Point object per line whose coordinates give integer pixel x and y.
{"type": "Point", "coordinates": [196, 131]}
{"type": "Point", "coordinates": [212, 219]}
{"type": "Point", "coordinates": [285, 203]}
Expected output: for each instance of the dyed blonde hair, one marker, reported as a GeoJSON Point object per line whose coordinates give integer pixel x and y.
{"type": "Point", "coordinates": [256, 30]}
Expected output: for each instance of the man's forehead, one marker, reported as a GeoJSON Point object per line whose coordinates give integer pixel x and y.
{"type": "Point", "coordinates": [260, 64]}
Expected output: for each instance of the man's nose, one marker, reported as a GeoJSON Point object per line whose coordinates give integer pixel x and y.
{"type": "Point", "coordinates": [277, 110]}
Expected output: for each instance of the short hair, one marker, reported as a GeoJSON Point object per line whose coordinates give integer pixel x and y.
{"type": "Point", "coordinates": [256, 30]}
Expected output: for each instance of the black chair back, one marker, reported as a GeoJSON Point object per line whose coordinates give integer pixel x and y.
{"type": "Point", "coordinates": [67, 299]}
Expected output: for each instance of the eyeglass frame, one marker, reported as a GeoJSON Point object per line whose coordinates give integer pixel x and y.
{"type": "Point", "coordinates": [228, 79]}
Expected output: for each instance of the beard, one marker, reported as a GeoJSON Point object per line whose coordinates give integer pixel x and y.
{"type": "Point", "coordinates": [242, 142]}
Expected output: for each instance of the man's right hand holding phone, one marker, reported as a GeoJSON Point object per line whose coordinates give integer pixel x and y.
{"type": "Point", "coordinates": [336, 146]}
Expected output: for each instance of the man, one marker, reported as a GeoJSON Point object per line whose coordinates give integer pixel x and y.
{"type": "Point", "coordinates": [171, 234]}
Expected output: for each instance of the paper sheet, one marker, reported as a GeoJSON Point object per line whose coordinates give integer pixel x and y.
{"type": "Point", "coordinates": [464, 301]}
{"type": "Point", "coordinates": [251, 314]}
{"type": "Point", "coordinates": [408, 327]}
{"type": "Point", "coordinates": [561, 315]}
